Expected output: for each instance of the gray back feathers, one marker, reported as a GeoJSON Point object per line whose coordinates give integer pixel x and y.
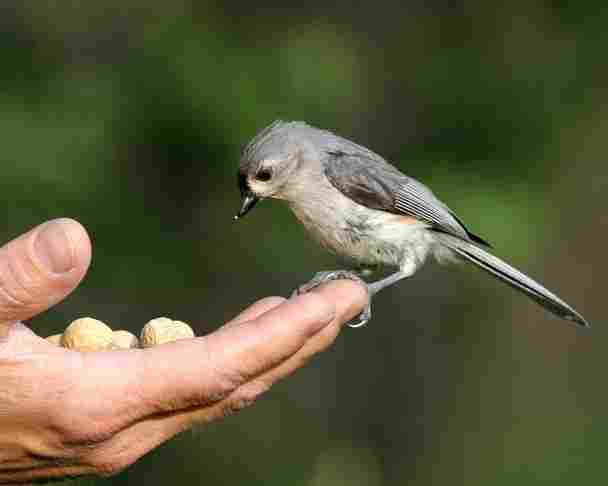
{"type": "Point", "coordinates": [378, 185]}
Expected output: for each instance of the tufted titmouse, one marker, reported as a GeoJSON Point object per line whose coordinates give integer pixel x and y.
{"type": "Point", "coordinates": [359, 206]}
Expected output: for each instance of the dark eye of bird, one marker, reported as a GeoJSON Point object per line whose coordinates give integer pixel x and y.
{"type": "Point", "coordinates": [264, 175]}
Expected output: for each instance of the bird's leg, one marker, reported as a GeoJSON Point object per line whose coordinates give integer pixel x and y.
{"type": "Point", "coordinates": [375, 287]}
{"type": "Point", "coordinates": [372, 289]}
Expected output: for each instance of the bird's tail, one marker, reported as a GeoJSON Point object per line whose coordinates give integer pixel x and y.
{"type": "Point", "coordinates": [511, 276]}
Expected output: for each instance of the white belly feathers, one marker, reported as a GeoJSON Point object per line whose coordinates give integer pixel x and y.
{"type": "Point", "coordinates": [365, 235]}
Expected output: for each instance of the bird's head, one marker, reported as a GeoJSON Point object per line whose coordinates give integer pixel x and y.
{"type": "Point", "coordinates": [270, 162]}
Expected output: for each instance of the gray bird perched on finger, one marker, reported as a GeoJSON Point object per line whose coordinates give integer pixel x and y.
{"type": "Point", "coordinates": [358, 205]}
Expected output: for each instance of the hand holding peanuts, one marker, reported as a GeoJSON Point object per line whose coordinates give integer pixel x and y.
{"type": "Point", "coordinates": [97, 411]}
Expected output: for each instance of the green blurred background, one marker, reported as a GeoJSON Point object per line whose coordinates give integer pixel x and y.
{"type": "Point", "coordinates": [130, 115]}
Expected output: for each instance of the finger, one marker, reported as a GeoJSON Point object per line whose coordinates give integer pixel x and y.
{"type": "Point", "coordinates": [239, 353]}
{"type": "Point", "coordinates": [256, 310]}
{"type": "Point", "coordinates": [41, 267]}
{"type": "Point", "coordinates": [200, 371]}
{"type": "Point", "coordinates": [192, 372]}
{"type": "Point", "coordinates": [144, 435]}
{"type": "Point", "coordinates": [347, 308]}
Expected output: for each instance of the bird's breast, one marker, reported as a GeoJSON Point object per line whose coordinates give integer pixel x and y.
{"type": "Point", "coordinates": [365, 235]}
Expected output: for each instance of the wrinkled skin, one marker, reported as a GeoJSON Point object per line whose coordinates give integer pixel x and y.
{"type": "Point", "coordinates": [65, 413]}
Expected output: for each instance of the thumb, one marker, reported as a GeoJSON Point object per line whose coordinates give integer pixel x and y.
{"type": "Point", "coordinates": [41, 267]}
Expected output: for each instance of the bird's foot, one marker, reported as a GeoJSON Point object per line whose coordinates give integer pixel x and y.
{"type": "Point", "coordinates": [322, 277]}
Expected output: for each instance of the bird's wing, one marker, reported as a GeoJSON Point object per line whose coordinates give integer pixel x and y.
{"type": "Point", "coordinates": [374, 183]}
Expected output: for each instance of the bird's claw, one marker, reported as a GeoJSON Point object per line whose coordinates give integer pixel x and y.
{"type": "Point", "coordinates": [322, 277]}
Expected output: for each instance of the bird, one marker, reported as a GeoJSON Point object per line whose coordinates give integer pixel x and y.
{"type": "Point", "coordinates": [358, 205]}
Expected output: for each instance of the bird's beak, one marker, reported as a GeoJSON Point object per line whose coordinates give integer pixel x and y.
{"type": "Point", "coordinates": [248, 200]}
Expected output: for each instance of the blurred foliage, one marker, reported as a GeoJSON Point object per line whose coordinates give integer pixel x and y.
{"type": "Point", "coordinates": [130, 115]}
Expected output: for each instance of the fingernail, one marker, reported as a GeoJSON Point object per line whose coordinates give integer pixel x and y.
{"type": "Point", "coordinates": [53, 248]}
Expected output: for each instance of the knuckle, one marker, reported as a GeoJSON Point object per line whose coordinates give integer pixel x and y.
{"type": "Point", "coordinates": [110, 466]}
{"type": "Point", "coordinates": [76, 419]}
{"type": "Point", "coordinates": [74, 429]}
{"type": "Point", "coordinates": [223, 379]}
{"type": "Point", "coordinates": [245, 396]}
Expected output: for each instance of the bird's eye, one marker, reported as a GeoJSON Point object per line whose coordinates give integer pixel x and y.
{"type": "Point", "coordinates": [263, 175]}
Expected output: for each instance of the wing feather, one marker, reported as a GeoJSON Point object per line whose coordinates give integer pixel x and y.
{"type": "Point", "coordinates": [376, 184]}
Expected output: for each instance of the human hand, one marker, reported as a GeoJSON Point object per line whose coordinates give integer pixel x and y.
{"type": "Point", "coordinates": [66, 413]}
